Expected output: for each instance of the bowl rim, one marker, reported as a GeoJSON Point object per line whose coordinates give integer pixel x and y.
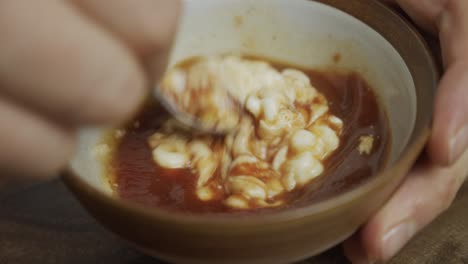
{"type": "Point", "coordinates": [77, 185]}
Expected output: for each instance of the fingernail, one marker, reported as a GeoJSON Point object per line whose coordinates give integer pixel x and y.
{"type": "Point", "coordinates": [458, 144]}
{"type": "Point", "coordinates": [396, 238]}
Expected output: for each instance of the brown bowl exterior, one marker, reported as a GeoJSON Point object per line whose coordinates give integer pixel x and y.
{"type": "Point", "coordinates": [294, 234]}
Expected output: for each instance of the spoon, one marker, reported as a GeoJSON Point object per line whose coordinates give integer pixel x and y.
{"type": "Point", "coordinates": [189, 120]}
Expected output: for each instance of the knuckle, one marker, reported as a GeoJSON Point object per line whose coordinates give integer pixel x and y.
{"type": "Point", "coordinates": [448, 191]}
{"type": "Point", "coordinates": [433, 194]}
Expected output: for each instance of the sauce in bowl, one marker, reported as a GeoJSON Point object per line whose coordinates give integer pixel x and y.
{"type": "Point", "coordinates": [361, 153]}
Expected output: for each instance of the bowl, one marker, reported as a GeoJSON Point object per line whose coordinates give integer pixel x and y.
{"type": "Point", "coordinates": [370, 39]}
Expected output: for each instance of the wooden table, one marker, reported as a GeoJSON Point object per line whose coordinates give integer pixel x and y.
{"type": "Point", "coordinates": [43, 223]}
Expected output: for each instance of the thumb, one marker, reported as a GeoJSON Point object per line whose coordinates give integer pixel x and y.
{"type": "Point", "coordinates": [450, 131]}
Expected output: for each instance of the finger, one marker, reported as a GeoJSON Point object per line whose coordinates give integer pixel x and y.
{"type": "Point", "coordinates": [59, 63]}
{"type": "Point", "coordinates": [425, 194]}
{"type": "Point", "coordinates": [424, 12]}
{"type": "Point", "coordinates": [30, 145]}
{"type": "Point", "coordinates": [450, 130]}
{"type": "Point", "coordinates": [453, 27]}
{"type": "Point", "coordinates": [146, 25]}
{"type": "Point", "coordinates": [450, 133]}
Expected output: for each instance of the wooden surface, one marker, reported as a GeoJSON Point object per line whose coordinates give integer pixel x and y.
{"type": "Point", "coordinates": [43, 223]}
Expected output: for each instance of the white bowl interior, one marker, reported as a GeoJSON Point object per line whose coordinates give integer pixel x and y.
{"type": "Point", "coordinates": [301, 32]}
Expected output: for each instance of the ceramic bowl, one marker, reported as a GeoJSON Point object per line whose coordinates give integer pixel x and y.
{"type": "Point", "coordinates": [370, 39]}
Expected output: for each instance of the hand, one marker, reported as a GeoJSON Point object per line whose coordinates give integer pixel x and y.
{"type": "Point", "coordinates": [68, 64]}
{"type": "Point", "coordinates": [431, 186]}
